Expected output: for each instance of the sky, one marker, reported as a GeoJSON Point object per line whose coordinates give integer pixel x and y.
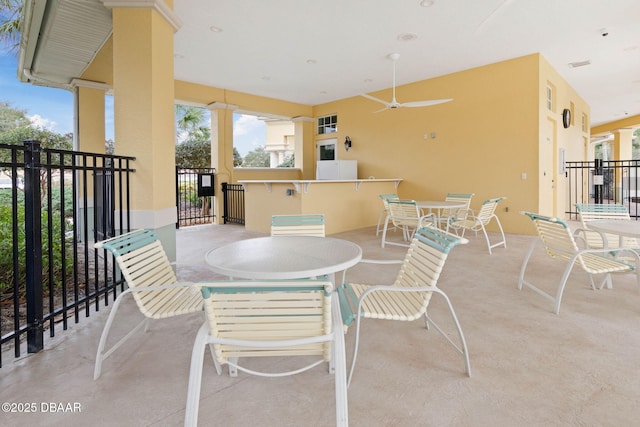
{"type": "Point", "coordinates": [53, 108]}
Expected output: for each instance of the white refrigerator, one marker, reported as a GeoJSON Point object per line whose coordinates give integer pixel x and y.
{"type": "Point", "coordinates": [337, 169]}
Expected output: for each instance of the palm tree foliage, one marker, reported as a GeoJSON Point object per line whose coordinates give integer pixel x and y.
{"type": "Point", "coordinates": [11, 16]}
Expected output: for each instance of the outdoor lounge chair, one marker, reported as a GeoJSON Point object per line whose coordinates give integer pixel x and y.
{"type": "Point", "coordinates": [559, 243]}
{"type": "Point", "coordinates": [451, 214]}
{"type": "Point", "coordinates": [298, 225]}
{"type": "Point", "coordinates": [247, 319]}
{"type": "Point", "coordinates": [593, 239]}
{"type": "Point", "coordinates": [409, 296]}
{"type": "Point", "coordinates": [152, 283]}
{"type": "Point", "coordinates": [384, 214]}
{"type": "Point", "coordinates": [478, 222]}
{"type": "Point", "coordinates": [405, 215]}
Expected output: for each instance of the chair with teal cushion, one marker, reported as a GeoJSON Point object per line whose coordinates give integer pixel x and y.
{"type": "Point", "coordinates": [558, 241]}
{"type": "Point", "coordinates": [472, 221]}
{"type": "Point", "coordinates": [409, 296]}
{"type": "Point", "coordinates": [298, 225]}
{"type": "Point", "coordinates": [151, 281]}
{"type": "Point", "coordinates": [249, 319]}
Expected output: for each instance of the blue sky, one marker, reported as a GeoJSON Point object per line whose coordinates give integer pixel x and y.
{"type": "Point", "coordinates": [53, 108]}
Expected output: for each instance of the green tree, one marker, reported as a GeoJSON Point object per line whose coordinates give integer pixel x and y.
{"type": "Point", "coordinates": [11, 16]}
{"type": "Point", "coordinates": [47, 138]}
{"type": "Point", "coordinates": [191, 123]}
{"type": "Point", "coordinates": [258, 158]}
{"type": "Point", "coordinates": [11, 118]}
{"type": "Point", "coordinates": [193, 153]}
{"type": "Point", "coordinates": [289, 162]}
{"type": "Point", "coordinates": [237, 158]}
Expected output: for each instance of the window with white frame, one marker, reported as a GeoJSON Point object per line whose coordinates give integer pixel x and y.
{"type": "Point", "coordinates": [327, 124]}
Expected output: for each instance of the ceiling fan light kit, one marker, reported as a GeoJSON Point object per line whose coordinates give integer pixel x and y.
{"type": "Point", "coordinates": [394, 103]}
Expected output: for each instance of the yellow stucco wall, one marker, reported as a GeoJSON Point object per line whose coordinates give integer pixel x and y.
{"type": "Point", "coordinates": [344, 205]}
{"type": "Point", "coordinates": [485, 140]}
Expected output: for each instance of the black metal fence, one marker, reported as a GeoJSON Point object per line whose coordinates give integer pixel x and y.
{"type": "Point", "coordinates": [49, 271]}
{"type": "Point", "coordinates": [233, 198]}
{"type": "Point", "coordinates": [604, 182]}
{"type": "Point", "coordinates": [194, 192]}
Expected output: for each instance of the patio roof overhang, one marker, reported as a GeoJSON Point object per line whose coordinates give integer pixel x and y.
{"type": "Point", "coordinates": [60, 39]}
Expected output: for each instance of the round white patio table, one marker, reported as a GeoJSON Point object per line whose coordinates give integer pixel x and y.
{"type": "Point", "coordinates": [283, 257]}
{"type": "Point", "coordinates": [438, 205]}
{"type": "Point", "coordinates": [621, 227]}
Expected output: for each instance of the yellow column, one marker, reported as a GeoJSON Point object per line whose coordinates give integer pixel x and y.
{"type": "Point", "coordinates": [90, 116]}
{"type": "Point", "coordinates": [305, 146]}
{"type": "Point", "coordinates": [622, 146]}
{"type": "Point", "coordinates": [221, 150]}
{"type": "Point", "coordinates": [143, 87]}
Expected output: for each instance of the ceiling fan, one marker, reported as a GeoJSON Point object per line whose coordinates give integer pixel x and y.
{"type": "Point", "coordinates": [394, 103]}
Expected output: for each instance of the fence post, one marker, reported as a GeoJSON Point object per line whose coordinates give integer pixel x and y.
{"type": "Point", "coordinates": [33, 245]}
{"type": "Point", "coordinates": [598, 181]}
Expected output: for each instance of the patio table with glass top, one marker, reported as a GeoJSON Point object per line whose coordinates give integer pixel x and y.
{"type": "Point", "coordinates": [283, 257]}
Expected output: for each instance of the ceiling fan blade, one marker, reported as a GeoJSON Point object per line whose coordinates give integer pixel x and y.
{"type": "Point", "coordinates": [381, 110]}
{"type": "Point", "coordinates": [427, 103]}
{"type": "Point", "coordinates": [373, 98]}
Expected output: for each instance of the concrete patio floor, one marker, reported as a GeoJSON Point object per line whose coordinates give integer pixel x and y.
{"type": "Point", "coordinates": [530, 367]}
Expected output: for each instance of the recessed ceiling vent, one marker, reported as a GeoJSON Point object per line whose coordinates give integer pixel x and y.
{"type": "Point", "coordinates": [579, 64]}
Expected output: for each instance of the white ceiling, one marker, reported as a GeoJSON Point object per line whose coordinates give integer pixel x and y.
{"type": "Point", "coordinates": [312, 52]}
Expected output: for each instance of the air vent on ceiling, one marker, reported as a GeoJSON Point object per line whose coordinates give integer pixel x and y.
{"type": "Point", "coordinates": [579, 64]}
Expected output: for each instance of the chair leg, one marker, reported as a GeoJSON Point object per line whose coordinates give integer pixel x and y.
{"type": "Point", "coordinates": [340, 365]}
{"type": "Point", "coordinates": [383, 214]}
{"type": "Point", "coordinates": [463, 343]}
{"type": "Point", "coordinates": [384, 233]}
{"type": "Point", "coordinates": [195, 377]}
{"type": "Point", "coordinates": [355, 348]}
{"type": "Point", "coordinates": [101, 355]}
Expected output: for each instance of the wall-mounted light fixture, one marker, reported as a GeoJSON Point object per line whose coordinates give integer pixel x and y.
{"type": "Point", "coordinates": [347, 143]}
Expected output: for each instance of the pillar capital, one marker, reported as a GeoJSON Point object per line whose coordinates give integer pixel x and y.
{"type": "Point", "coordinates": [158, 5]}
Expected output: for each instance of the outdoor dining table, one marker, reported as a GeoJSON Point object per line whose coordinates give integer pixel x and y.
{"type": "Point", "coordinates": [284, 257]}
{"type": "Point", "coordinates": [437, 206]}
{"type": "Point", "coordinates": [621, 227]}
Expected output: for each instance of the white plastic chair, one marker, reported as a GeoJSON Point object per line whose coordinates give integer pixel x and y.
{"type": "Point", "coordinates": [247, 319]}
{"type": "Point", "coordinates": [478, 222]}
{"type": "Point", "coordinates": [384, 214]}
{"type": "Point", "coordinates": [405, 215]}
{"type": "Point", "coordinates": [594, 239]}
{"type": "Point", "coordinates": [409, 296]}
{"type": "Point", "coordinates": [559, 243]}
{"type": "Point", "coordinates": [447, 214]}
{"type": "Point", "coordinates": [298, 225]}
{"type": "Point", "coordinates": [152, 283]}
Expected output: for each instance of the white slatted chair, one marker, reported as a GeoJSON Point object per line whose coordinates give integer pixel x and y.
{"type": "Point", "coordinates": [152, 282]}
{"type": "Point", "coordinates": [559, 243]}
{"type": "Point", "coordinates": [448, 214]}
{"type": "Point", "coordinates": [409, 296]}
{"type": "Point", "coordinates": [298, 225]}
{"type": "Point", "coordinates": [247, 319]}
{"type": "Point", "coordinates": [478, 222]}
{"type": "Point", "coordinates": [593, 239]}
{"type": "Point", "coordinates": [384, 214]}
{"type": "Point", "coordinates": [405, 215]}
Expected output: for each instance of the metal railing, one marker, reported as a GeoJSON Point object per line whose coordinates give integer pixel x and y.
{"type": "Point", "coordinates": [195, 194]}
{"type": "Point", "coordinates": [233, 197]}
{"type": "Point", "coordinates": [604, 182]}
{"type": "Point", "coordinates": [50, 271]}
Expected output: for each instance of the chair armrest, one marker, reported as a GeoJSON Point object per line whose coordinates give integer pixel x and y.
{"type": "Point", "coordinates": [428, 219]}
{"type": "Point", "coordinates": [580, 234]}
